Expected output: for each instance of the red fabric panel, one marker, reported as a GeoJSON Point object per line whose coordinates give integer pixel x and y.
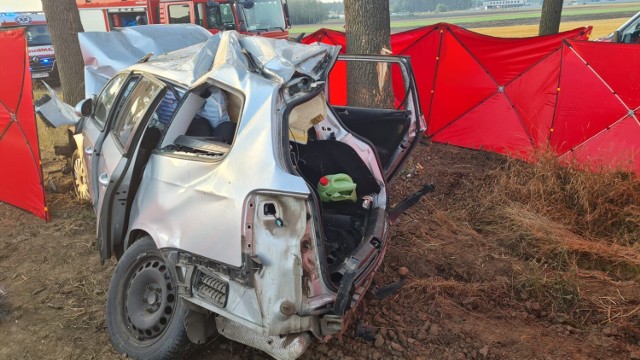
{"type": "Point", "coordinates": [617, 65]}
{"type": "Point", "coordinates": [461, 84]}
{"type": "Point", "coordinates": [585, 104]}
{"type": "Point", "coordinates": [403, 41]}
{"type": "Point", "coordinates": [338, 84]}
{"type": "Point", "coordinates": [424, 59]}
{"type": "Point", "coordinates": [327, 36]}
{"type": "Point", "coordinates": [533, 95]}
{"type": "Point", "coordinates": [21, 179]}
{"type": "Point", "coordinates": [506, 58]}
{"type": "Point", "coordinates": [617, 147]}
{"type": "Point", "coordinates": [491, 126]}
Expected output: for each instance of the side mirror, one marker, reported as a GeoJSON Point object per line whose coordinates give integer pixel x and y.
{"type": "Point", "coordinates": [248, 4]}
{"type": "Point", "coordinates": [84, 107]}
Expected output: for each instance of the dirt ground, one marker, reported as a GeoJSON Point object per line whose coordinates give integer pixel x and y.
{"type": "Point", "coordinates": [456, 303]}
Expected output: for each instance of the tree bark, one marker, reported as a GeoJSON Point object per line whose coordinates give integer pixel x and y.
{"type": "Point", "coordinates": [550, 18]}
{"type": "Point", "coordinates": [368, 31]}
{"type": "Point", "coordinates": [64, 23]}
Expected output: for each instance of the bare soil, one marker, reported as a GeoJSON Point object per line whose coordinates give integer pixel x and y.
{"type": "Point", "coordinates": [461, 299]}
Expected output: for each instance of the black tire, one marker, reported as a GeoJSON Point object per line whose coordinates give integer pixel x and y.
{"type": "Point", "coordinates": [80, 185]}
{"type": "Point", "coordinates": [145, 316]}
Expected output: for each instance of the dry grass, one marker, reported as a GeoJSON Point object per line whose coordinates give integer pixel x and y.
{"type": "Point", "coordinates": [570, 226]}
{"type": "Point", "coordinates": [600, 28]}
{"type": "Point", "coordinates": [600, 207]}
{"type": "Point", "coordinates": [551, 240]}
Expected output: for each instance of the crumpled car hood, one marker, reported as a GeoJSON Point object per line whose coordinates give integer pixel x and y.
{"type": "Point", "coordinates": [188, 52]}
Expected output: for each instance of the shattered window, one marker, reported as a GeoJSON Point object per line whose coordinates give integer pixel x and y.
{"type": "Point", "coordinates": [133, 111]}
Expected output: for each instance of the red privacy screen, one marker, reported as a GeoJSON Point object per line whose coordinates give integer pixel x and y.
{"type": "Point", "coordinates": [515, 96]}
{"type": "Point", "coordinates": [20, 171]}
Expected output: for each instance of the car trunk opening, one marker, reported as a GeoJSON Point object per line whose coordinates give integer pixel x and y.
{"type": "Point", "coordinates": [344, 223]}
{"type": "Point", "coordinates": [329, 143]}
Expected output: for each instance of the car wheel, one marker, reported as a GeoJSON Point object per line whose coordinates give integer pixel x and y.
{"type": "Point", "coordinates": [79, 176]}
{"type": "Point", "coordinates": [145, 316]}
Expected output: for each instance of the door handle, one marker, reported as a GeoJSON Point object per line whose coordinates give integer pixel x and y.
{"type": "Point", "coordinates": [88, 150]}
{"type": "Point", "coordinates": [103, 179]}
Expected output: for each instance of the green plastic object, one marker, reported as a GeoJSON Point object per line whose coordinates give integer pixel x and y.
{"type": "Point", "coordinates": [337, 187]}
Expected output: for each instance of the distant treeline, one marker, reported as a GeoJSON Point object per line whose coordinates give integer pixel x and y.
{"type": "Point", "coordinates": [314, 11]}
{"type": "Point", "coordinates": [307, 11]}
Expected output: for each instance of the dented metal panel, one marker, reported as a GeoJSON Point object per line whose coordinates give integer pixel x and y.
{"type": "Point", "coordinates": [239, 220]}
{"type": "Point", "coordinates": [106, 53]}
{"type": "Point", "coordinates": [209, 195]}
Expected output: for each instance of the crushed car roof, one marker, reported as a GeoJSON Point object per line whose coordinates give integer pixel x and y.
{"type": "Point", "coordinates": [184, 53]}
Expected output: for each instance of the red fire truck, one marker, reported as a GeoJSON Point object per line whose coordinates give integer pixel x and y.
{"type": "Point", "coordinates": [42, 60]}
{"type": "Point", "coordinates": [268, 18]}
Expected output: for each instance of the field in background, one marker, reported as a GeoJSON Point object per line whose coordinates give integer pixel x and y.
{"type": "Point", "coordinates": [513, 23]}
{"type": "Point", "coordinates": [507, 260]}
{"type": "Point", "coordinates": [600, 28]}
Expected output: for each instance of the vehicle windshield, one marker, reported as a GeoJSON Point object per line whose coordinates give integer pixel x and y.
{"type": "Point", "coordinates": [265, 15]}
{"type": "Point", "coordinates": [38, 35]}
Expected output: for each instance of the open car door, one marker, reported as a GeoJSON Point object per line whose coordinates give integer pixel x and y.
{"type": "Point", "coordinates": [393, 127]}
{"type": "Point", "coordinates": [127, 142]}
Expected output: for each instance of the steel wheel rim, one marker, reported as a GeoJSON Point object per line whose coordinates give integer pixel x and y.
{"type": "Point", "coordinates": [149, 300]}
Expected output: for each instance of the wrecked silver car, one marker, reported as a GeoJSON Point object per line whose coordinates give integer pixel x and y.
{"type": "Point", "coordinates": [237, 200]}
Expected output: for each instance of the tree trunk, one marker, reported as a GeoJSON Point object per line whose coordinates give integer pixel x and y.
{"type": "Point", "coordinates": [64, 23]}
{"type": "Point", "coordinates": [550, 18]}
{"type": "Point", "coordinates": [368, 32]}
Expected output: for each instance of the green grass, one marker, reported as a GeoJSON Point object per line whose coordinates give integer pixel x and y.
{"type": "Point", "coordinates": [469, 19]}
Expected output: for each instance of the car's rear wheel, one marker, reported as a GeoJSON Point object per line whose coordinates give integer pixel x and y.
{"type": "Point", "coordinates": [145, 316]}
{"type": "Point", "coordinates": [79, 172]}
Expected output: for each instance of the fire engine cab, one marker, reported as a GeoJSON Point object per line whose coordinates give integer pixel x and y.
{"type": "Point", "coordinates": [268, 18]}
{"type": "Point", "coordinates": [42, 60]}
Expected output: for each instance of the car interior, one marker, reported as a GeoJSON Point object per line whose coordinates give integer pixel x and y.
{"type": "Point", "coordinates": [345, 223]}
{"type": "Point", "coordinates": [193, 131]}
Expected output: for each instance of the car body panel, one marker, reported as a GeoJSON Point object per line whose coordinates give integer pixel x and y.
{"type": "Point", "coordinates": [418, 124]}
{"type": "Point", "coordinates": [244, 215]}
{"type": "Point", "coordinates": [90, 135]}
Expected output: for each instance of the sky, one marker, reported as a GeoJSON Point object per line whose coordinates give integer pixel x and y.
{"type": "Point", "coordinates": [20, 5]}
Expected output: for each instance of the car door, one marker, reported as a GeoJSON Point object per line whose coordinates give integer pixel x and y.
{"type": "Point", "coordinates": [119, 149]}
{"type": "Point", "coordinates": [393, 128]}
{"type": "Point", "coordinates": [93, 128]}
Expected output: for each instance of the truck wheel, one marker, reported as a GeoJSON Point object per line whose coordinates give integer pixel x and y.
{"type": "Point", "coordinates": [145, 316]}
{"type": "Point", "coordinates": [79, 173]}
